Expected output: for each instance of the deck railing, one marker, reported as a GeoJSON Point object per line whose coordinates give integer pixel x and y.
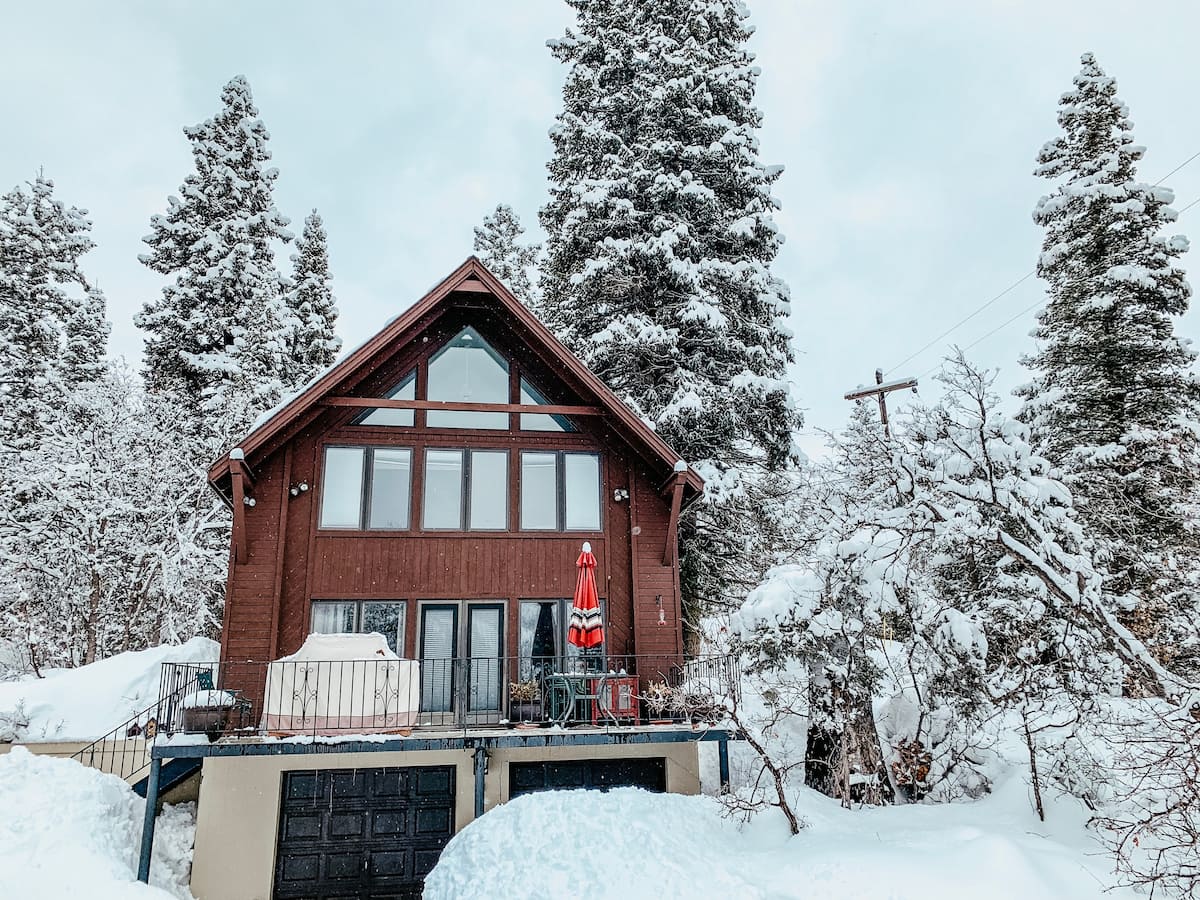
{"type": "Point", "coordinates": [327, 697]}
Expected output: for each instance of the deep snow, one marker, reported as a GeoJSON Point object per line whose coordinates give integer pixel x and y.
{"type": "Point", "coordinates": [88, 702]}
{"type": "Point", "coordinates": [629, 844]}
{"type": "Point", "coordinates": [70, 831]}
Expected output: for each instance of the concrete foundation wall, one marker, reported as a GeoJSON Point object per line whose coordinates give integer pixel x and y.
{"type": "Point", "coordinates": [238, 817]}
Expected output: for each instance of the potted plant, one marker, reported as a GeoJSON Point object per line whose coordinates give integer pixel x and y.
{"type": "Point", "coordinates": [525, 702]}
{"type": "Point", "coordinates": [208, 711]}
{"type": "Point", "coordinates": [661, 702]}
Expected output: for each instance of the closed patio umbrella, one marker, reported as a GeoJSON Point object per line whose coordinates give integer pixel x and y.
{"type": "Point", "coordinates": [586, 629]}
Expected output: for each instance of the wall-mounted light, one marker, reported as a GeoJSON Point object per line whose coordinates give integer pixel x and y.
{"type": "Point", "coordinates": [297, 489]}
{"type": "Point", "coordinates": [620, 494]}
{"type": "Point", "coordinates": [249, 501]}
{"type": "Point", "coordinates": [662, 613]}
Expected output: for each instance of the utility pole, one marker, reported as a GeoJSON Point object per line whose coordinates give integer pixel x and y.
{"type": "Point", "coordinates": [880, 392]}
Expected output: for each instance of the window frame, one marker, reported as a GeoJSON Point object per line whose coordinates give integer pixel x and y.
{"type": "Point", "coordinates": [500, 358]}
{"type": "Point", "coordinates": [560, 478]}
{"type": "Point", "coordinates": [359, 604]}
{"type": "Point", "coordinates": [361, 419]}
{"type": "Point", "coordinates": [465, 479]}
{"type": "Point", "coordinates": [365, 490]}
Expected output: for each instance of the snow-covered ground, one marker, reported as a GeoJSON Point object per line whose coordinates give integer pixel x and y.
{"type": "Point", "coordinates": [88, 702]}
{"type": "Point", "coordinates": [70, 831]}
{"type": "Point", "coordinates": [629, 844]}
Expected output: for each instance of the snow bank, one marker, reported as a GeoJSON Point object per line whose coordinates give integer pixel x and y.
{"type": "Point", "coordinates": [70, 831]}
{"type": "Point", "coordinates": [629, 844]}
{"type": "Point", "coordinates": [88, 702]}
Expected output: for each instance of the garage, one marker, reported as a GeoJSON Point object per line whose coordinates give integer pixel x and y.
{"type": "Point", "coordinates": [362, 834]}
{"type": "Point", "coordinates": [648, 773]}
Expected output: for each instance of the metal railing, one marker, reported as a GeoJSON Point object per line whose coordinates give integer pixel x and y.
{"type": "Point", "coordinates": [125, 751]}
{"type": "Point", "coordinates": [381, 696]}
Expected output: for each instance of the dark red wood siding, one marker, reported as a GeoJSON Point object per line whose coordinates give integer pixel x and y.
{"type": "Point", "coordinates": [291, 561]}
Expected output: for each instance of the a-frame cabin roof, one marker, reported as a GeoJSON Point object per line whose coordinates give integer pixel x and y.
{"type": "Point", "coordinates": [471, 284]}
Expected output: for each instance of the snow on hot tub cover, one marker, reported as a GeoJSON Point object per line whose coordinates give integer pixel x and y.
{"type": "Point", "coordinates": [340, 684]}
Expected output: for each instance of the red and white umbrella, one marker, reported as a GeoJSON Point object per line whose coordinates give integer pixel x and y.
{"type": "Point", "coordinates": [586, 630]}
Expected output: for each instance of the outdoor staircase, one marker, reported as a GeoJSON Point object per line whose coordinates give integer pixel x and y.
{"type": "Point", "coordinates": [174, 773]}
{"type": "Point", "coordinates": [125, 751]}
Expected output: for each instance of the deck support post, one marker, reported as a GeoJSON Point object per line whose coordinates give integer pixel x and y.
{"type": "Point", "coordinates": [148, 821]}
{"type": "Point", "coordinates": [480, 778]}
{"type": "Point", "coordinates": [723, 763]}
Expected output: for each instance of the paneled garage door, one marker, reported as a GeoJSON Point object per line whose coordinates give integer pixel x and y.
{"type": "Point", "coordinates": [362, 834]}
{"type": "Point", "coordinates": [600, 774]}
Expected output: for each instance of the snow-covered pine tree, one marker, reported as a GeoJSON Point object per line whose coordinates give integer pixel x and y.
{"type": "Point", "coordinates": [85, 335]}
{"type": "Point", "coordinates": [41, 242]}
{"type": "Point", "coordinates": [216, 338]}
{"type": "Point", "coordinates": [312, 309]}
{"type": "Point", "coordinates": [498, 246]}
{"type": "Point", "coordinates": [660, 238]}
{"type": "Point", "coordinates": [944, 591]}
{"type": "Point", "coordinates": [1114, 402]}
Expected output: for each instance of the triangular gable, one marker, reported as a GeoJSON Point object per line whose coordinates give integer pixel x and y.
{"type": "Point", "coordinates": [472, 276]}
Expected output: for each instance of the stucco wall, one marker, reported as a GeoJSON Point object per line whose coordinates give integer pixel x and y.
{"type": "Point", "coordinates": [237, 825]}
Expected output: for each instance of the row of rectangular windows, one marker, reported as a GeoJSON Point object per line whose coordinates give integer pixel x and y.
{"type": "Point", "coordinates": [371, 488]}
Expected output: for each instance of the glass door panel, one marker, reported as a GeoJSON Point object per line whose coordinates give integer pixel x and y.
{"type": "Point", "coordinates": [485, 643]}
{"type": "Point", "coordinates": [439, 640]}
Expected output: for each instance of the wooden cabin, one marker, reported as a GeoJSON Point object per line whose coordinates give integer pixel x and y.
{"type": "Point", "coordinates": [437, 485]}
{"type": "Point", "coordinates": [436, 488]}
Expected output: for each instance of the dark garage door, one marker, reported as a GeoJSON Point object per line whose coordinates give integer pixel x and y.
{"type": "Point", "coordinates": [362, 834]}
{"type": "Point", "coordinates": [600, 774]}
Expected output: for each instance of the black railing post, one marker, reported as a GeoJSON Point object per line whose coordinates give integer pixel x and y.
{"type": "Point", "coordinates": [148, 820]}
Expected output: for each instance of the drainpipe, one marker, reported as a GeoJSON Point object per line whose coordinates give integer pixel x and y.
{"type": "Point", "coordinates": [148, 821]}
{"type": "Point", "coordinates": [480, 776]}
{"type": "Point", "coordinates": [723, 763]}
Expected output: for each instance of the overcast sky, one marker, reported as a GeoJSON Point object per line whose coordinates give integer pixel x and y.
{"type": "Point", "coordinates": [907, 131]}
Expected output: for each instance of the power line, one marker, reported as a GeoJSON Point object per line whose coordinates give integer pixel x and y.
{"type": "Point", "coordinates": [962, 322]}
{"type": "Point", "coordinates": [1025, 278]}
{"type": "Point", "coordinates": [1027, 309]}
{"type": "Point", "coordinates": [1177, 168]}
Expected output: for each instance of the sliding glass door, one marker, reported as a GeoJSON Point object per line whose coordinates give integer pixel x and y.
{"type": "Point", "coordinates": [464, 687]}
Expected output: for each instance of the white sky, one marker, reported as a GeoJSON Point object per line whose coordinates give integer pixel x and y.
{"type": "Point", "coordinates": [908, 132]}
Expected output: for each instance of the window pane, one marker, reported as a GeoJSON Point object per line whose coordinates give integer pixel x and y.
{"type": "Point", "coordinates": [341, 488]}
{"type": "Point", "coordinates": [443, 489]}
{"type": "Point", "coordinates": [467, 370]}
{"type": "Point", "coordinates": [387, 619]}
{"type": "Point", "coordinates": [489, 490]}
{"type": "Point", "coordinates": [531, 396]}
{"type": "Point", "coordinates": [485, 652]}
{"type": "Point", "coordinates": [539, 491]}
{"type": "Point", "coordinates": [582, 488]}
{"type": "Point", "coordinates": [406, 390]}
{"type": "Point", "coordinates": [391, 478]}
{"type": "Point", "coordinates": [538, 646]}
{"type": "Point", "coordinates": [437, 659]}
{"type": "Point", "coordinates": [332, 617]}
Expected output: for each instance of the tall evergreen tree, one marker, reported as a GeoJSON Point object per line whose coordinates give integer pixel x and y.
{"type": "Point", "coordinates": [312, 308]}
{"type": "Point", "coordinates": [216, 338]}
{"type": "Point", "coordinates": [498, 246]}
{"type": "Point", "coordinates": [1114, 400]}
{"type": "Point", "coordinates": [41, 242]}
{"type": "Point", "coordinates": [660, 242]}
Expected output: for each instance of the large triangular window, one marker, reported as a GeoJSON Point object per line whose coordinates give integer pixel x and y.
{"type": "Point", "coordinates": [531, 396]}
{"type": "Point", "coordinates": [468, 370]}
{"type": "Point", "coordinates": [405, 390]}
